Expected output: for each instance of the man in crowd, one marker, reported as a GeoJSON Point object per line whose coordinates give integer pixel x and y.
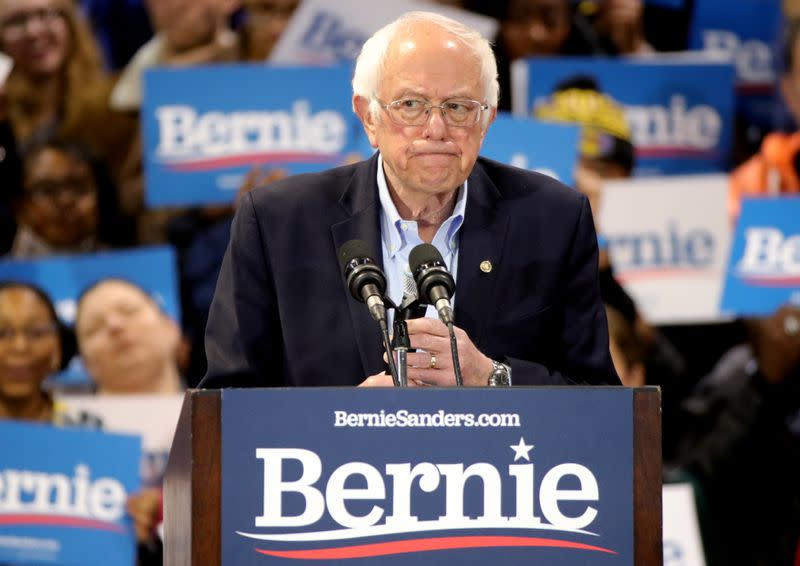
{"type": "Point", "coordinates": [521, 246]}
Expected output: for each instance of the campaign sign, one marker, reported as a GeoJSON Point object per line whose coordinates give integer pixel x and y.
{"type": "Point", "coordinates": [747, 32]}
{"type": "Point", "coordinates": [322, 32]}
{"type": "Point", "coordinates": [63, 496]}
{"type": "Point", "coordinates": [64, 278]}
{"type": "Point", "coordinates": [428, 477]}
{"type": "Point", "coordinates": [206, 127]}
{"type": "Point", "coordinates": [679, 110]}
{"type": "Point", "coordinates": [668, 239]}
{"type": "Point", "coordinates": [764, 267]}
{"type": "Point", "coordinates": [551, 149]}
{"type": "Point", "coordinates": [123, 414]}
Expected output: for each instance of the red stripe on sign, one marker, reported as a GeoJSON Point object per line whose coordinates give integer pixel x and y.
{"type": "Point", "coordinates": [428, 544]}
{"type": "Point", "coordinates": [251, 160]}
{"type": "Point", "coordinates": [60, 521]}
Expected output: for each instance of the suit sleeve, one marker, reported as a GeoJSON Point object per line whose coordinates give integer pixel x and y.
{"type": "Point", "coordinates": [583, 329]}
{"type": "Point", "coordinates": [243, 344]}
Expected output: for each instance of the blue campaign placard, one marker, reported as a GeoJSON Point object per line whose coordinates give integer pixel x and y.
{"type": "Point", "coordinates": [530, 144]}
{"type": "Point", "coordinates": [206, 127]}
{"type": "Point", "coordinates": [747, 31]}
{"type": "Point", "coordinates": [428, 477]}
{"type": "Point", "coordinates": [680, 113]}
{"type": "Point", "coordinates": [64, 278]}
{"type": "Point", "coordinates": [63, 496]}
{"type": "Point", "coordinates": [764, 266]}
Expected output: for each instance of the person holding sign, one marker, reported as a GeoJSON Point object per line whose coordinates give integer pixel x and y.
{"type": "Point", "coordinates": [521, 246]}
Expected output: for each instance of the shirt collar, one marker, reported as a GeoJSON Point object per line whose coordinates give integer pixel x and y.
{"type": "Point", "coordinates": [392, 235]}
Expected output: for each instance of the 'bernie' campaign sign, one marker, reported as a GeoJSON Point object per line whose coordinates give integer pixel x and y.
{"type": "Point", "coordinates": [679, 109]}
{"type": "Point", "coordinates": [63, 496]}
{"type": "Point", "coordinates": [764, 266]}
{"type": "Point", "coordinates": [206, 127]}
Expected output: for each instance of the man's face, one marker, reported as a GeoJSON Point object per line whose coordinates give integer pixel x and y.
{"type": "Point", "coordinates": [435, 158]}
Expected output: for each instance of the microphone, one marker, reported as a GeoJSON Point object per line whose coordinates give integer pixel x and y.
{"type": "Point", "coordinates": [367, 284]}
{"type": "Point", "coordinates": [436, 286]}
{"type": "Point", "coordinates": [434, 281]}
{"type": "Point", "coordinates": [366, 281]}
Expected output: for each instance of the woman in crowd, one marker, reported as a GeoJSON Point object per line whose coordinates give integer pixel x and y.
{"type": "Point", "coordinates": [57, 82]}
{"type": "Point", "coordinates": [32, 345]}
{"type": "Point", "coordinates": [66, 204]}
{"type": "Point", "coordinates": [128, 344]}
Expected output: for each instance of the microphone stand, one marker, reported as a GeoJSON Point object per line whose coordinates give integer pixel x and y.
{"type": "Point", "coordinates": [401, 344]}
{"type": "Point", "coordinates": [454, 354]}
{"type": "Point", "coordinates": [387, 345]}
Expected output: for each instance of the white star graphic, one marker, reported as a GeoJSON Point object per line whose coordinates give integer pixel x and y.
{"type": "Point", "coordinates": [521, 450]}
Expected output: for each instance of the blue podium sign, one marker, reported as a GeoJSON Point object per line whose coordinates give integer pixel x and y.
{"type": "Point", "coordinates": [434, 476]}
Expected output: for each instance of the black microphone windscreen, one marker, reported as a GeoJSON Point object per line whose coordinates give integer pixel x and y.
{"type": "Point", "coordinates": [423, 254]}
{"type": "Point", "coordinates": [353, 249]}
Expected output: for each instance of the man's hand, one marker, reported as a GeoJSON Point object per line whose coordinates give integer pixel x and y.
{"type": "Point", "coordinates": [434, 366]}
{"type": "Point", "coordinates": [378, 380]}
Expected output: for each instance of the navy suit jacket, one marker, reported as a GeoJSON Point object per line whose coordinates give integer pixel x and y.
{"type": "Point", "coordinates": [282, 314]}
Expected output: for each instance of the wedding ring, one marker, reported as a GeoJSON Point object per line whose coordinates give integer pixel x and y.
{"type": "Point", "coordinates": [432, 365]}
{"type": "Point", "coordinates": [791, 325]}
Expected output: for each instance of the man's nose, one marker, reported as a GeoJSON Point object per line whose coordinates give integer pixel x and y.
{"type": "Point", "coordinates": [435, 127]}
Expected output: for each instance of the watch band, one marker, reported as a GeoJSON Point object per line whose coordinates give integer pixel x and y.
{"type": "Point", "coordinates": [500, 376]}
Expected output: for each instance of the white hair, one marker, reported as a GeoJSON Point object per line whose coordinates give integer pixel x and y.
{"type": "Point", "coordinates": [372, 59]}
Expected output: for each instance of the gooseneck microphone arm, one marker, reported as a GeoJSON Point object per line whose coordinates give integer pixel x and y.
{"type": "Point", "coordinates": [367, 284]}
{"type": "Point", "coordinates": [436, 285]}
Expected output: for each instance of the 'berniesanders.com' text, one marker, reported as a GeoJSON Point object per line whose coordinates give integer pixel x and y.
{"type": "Point", "coordinates": [403, 418]}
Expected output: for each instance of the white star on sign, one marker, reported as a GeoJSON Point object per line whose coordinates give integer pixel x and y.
{"type": "Point", "coordinates": [521, 450]}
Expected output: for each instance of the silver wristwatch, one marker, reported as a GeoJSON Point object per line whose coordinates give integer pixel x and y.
{"type": "Point", "coordinates": [500, 376]}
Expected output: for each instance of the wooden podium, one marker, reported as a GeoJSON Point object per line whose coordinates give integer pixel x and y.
{"type": "Point", "coordinates": [193, 492]}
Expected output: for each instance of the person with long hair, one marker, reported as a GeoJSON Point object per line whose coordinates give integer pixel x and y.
{"type": "Point", "coordinates": [57, 83]}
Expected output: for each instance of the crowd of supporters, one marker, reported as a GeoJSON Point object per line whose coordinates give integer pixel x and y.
{"type": "Point", "coordinates": [71, 181]}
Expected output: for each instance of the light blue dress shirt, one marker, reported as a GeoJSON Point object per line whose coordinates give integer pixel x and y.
{"type": "Point", "coordinates": [399, 237]}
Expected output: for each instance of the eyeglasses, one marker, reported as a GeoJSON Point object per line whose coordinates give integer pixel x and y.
{"type": "Point", "coordinates": [14, 26]}
{"type": "Point", "coordinates": [51, 189]}
{"type": "Point", "coordinates": [458, 112]}
{"type": "Point", "coordinates": [31, 333]}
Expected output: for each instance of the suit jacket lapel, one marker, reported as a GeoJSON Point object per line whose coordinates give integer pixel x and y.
{"type": "Point", "coordinates": [360, 203]}
{"type": "Point", "coordinates": [483, 236]}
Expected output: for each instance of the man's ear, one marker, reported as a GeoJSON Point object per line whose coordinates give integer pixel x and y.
{"type": "Point", "coordinates": [361, 107]}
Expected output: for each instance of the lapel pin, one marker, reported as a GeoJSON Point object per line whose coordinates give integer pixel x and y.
{"type": "Point", "coordinates": [486, 266]}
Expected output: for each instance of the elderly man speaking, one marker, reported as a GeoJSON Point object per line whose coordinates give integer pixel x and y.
{"type": "Point", "coordinates": [520, 245]}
